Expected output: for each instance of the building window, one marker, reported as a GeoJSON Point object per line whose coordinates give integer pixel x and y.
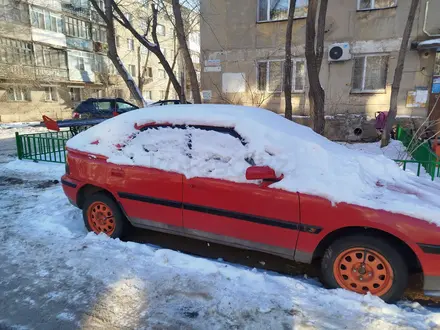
{"type": "Point", "coordinates": [77, 28]}
{"type": "Point", "coordinates": [46, 20]}
{"type": "Point", "coordinates": [370, 73]}
{"type": "Point", "coordinates": [270, 75]}
{"type": "Point", "coordinates": [132, 70]}
{"type": "Point", "coordinates": [99, 33]}
{"type": "Point", "coordinates": [275, 10]}
{"type": "Point", "coordinates": [162, 95]}
{"type": "Point", "coordinates": [130, 44]}
{"type": "Point", "coordinates": [150, 72]}
{"type": "Point", "coordinates": [148, 95]}
{"type": "Point", "coordinates": [15, 52]}
{"type": "Point", "coordinates": [165, 52]}
{"type": "Point", "coordinates": [19, 93]}
{"type": "Point", "coordinates": [160, 29]}
{"type": "Point", "coordinates": [376, 4]}
{"type": "Point", "coordinates": [118, 41]}
{"type": "Point", "coordinates": [97, 93]}
{"type": "Point", "coordinates": [162, 74]}
{"type": "Point", "coordinates": [49, 57]}
{"type": "Point", "coordinates": [75, 94]}
{"type": "Point", "coordinates": [80, 64]}
{"type": "Point", "coordinates": [50, 93]}
{"type": "Point", "coordinates": [100, 63]}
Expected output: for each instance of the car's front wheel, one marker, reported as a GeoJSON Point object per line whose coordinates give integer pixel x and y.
{"type": "Point", "coordinates": [365, 264]}
{"type": "Point", "coordinates": [103, 215]}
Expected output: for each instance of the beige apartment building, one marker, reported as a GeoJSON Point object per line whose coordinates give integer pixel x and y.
{"type": "Point", "coordinates": [53, 56]}
{"type": "Point", "coordinates": [242, 46]}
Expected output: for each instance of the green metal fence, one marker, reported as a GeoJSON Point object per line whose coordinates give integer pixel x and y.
{"type": "Point", "coordinates": [420, 152]}
{"type": "Point", "coordinates": [48, 147]}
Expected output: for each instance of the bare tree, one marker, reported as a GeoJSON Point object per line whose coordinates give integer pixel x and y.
{"type": "Point", "coordinates": [183, 46]}
{"type": "Point", "coordinates": [153, 47]}
{"type": "Point", "coordinates": [288, 62]}
{"type": "Point", "coordinates": [314, 53]}
{"type": "Point", "coordinates": [107, 16]}
{"type": "Point", "coordinates": [398, 73]}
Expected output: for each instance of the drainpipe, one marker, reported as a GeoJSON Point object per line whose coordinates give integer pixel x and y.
{"type": "Point", "coordinates": [424, 23]}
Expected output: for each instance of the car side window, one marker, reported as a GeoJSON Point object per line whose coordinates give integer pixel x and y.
{"type": "Point", "coordinates": [196, 151]}
{"type": "Point", "coordinates": [103, 106]}
{"type": "Point", "coordinates": [217, 152]}
{"type": "Point", "coordinates": [124, 106]}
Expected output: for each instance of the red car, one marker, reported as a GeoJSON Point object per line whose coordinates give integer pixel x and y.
{"type": "Point", "coordinates": [182, 192]}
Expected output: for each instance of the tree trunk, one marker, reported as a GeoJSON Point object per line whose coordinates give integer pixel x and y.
{"type": "Point", "coordinates": [114, 57]}
{"type": "Point", "coordinates": [143, 74]}
{"type": "Point", "coordinates": [180, 29]}
{"type": "Point", "coordinates": [321, 33]}
{"type": "Point", "coordinates": [398, 73]}
{"type": "Point", "coordinates": [316, 93]}
{"type": "Point", "coordinates": [167, 91]}
{"type": "Point", "coordinates": [288, 62]}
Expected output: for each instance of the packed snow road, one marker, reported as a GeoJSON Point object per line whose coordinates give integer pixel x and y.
{"type": "Point", "coordinates": [54, 275]}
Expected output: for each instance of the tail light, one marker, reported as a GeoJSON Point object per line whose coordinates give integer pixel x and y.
{"type": "Point", "coordinates": [67, 165]}
{"type": "Point", "coordinates": [76, 115]}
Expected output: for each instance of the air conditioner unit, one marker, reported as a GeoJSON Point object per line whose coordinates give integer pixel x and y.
{"type": "Point", "coordinates": [339, 52]}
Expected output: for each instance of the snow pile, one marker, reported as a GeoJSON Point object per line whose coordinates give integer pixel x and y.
{"type": "Point", "coordinates": [310, 163]}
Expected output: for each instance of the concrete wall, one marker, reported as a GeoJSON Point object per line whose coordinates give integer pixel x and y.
{"type": "Point", "coordinates": [238, 41]}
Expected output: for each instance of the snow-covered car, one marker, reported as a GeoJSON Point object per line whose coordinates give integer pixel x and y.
{"type": "Point", "coordinates": [247, 177]}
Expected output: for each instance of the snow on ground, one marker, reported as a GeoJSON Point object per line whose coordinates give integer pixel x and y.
{"type": "Point", "coordinates": [395, 150]}
{"type": "Point", "coordinates": [309, 162]}
{"type": "Point", "coordinates": [55, 275]}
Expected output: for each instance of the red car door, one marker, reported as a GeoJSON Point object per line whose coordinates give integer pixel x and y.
{"type": "Point", "coordinates": [243, 214]}
{"type": "Point", "coordinates": [151, 197]}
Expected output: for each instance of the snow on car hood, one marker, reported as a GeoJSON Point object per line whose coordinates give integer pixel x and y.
{"type": "Point", "coordinates": [309, 162]}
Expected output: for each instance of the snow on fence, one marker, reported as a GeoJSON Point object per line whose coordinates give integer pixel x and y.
{"type": "Point", "coordinates": [48, 147]}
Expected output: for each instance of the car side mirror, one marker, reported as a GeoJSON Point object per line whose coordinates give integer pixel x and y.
{"type": "Point", "coordinates": [261, 173]}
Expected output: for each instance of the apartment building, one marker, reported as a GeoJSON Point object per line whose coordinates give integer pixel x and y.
{"type": "Point", "coordinates": [53, 55]}
{"type": "Point", "coordinates": [243, 55]}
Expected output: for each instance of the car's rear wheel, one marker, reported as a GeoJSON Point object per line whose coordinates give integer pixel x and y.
{"type": "Point", "coordinates": [103, 215]}
{"type": "Point", "coordinates": [365, 264]}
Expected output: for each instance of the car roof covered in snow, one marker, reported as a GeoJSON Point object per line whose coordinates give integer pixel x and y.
{"type": "Point", "coordinates": [310, 163]}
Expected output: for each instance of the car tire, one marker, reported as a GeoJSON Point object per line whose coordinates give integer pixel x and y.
{"type": "Point", "coordinates": [365, 264]}
{"type": "Point", "coordinates": [102, 214]}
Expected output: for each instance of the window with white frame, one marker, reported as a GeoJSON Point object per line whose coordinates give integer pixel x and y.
{"type": "Point", "coordinates": [118, 41]}
{"type": "Point", "coordinates": [77, 28]}
{"type": "Point", "coordinates": [50, 94]}
{"type": "Point", "coordinates": [97, 93]}
{"type": "Point", "coordinates": [100, 63]}
{"type": "Point", "coordinates": [19, 93]}
{"type": "Point", "coordinates": [75, 94]}
{"type": "Point", "coordinates": [49, 57]}
{"type": "Point", "coordinates": [15, 52]}
{"type": "Point", "coordinates": [376, 4]}
{"type": "Point", "coordinates": [46, 20]}
{"type": "Point", "coordinates": [99, 33]}
{"type": "Point", "coordinates": [132, 70]}
{"type": "Point", "coordinates": [148, 95]}
{"type": "Point", "coordinates": [160, 29]}
{"type": "Point", "coordinates": [370, 73]}
{"type": "Point", "coordinates": [130, 44]}
{"type": "Point", "coordinates": [270, 75]}
{"type": "Point", "coordinates": [275, 10]}
{"type": "Point", "coordinates": [162, 74]}
{"type": "Point", "coordinates": [150, 72]}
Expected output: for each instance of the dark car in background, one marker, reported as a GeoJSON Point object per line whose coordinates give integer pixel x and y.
{"type": "Point", "coordinates": [167, 102]}
{"type": "Point", "coordinates": [102, 108]}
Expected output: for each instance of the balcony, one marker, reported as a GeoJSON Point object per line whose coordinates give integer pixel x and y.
{"type": "Point", "coordinates": [51, 74]}
{"type": "Point", "coordinates": [48, 37]}
{"type": "Point", "coordinates": [16, 71]}
{"type": "Point", "coordinates": [79, 43]}
{"type": "Point", "coordinates": [82, 12]}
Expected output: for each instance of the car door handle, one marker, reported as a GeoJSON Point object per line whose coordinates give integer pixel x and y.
{"type": "Point", "coordinates": [117, 173]}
